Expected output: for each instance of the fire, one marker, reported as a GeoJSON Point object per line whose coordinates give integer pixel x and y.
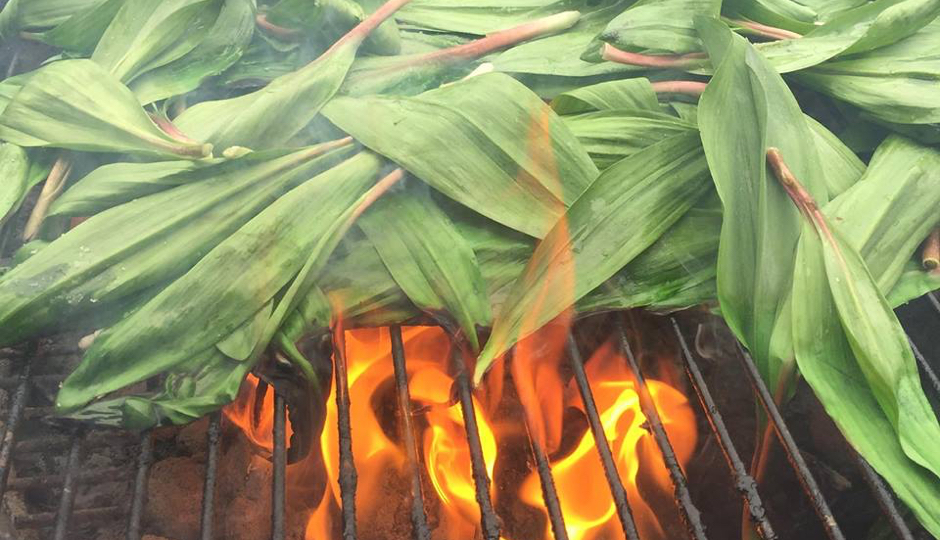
{"type": "Point", "coordinates": [586, 503]}
{"type": "Point", "coordinates": [445, 450]}
{"type": "Point", "coordinates": [256, 424]}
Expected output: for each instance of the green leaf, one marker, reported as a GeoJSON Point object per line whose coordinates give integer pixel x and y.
{"type": "Point", "coordinates": [677, 271]}
{"type": "Point", "coordinates": [478, 17]}
{"type": "Point", "coordinates": [145, 35]}
{"type": "Point", "coordinates": [212, 381]}
{"type": "Point", "coordinates": [827, 363]}
{"type": "Point", "coordinates": [234, 280]}
{"type": "Point", "coordinates": [429, 259]}
{"type": "Point", "coordinates": [131, 248]}
{"type": "Point", "coordinates": [30, 14]}
{"type": "Point", "coordinates": [19, 174]}
{"type": "Point", "coordinates": [660, 25]}
{"type": "Point", "coordinates": [843, 167]}
{"type": "Point", "coordinates": [498, 148]}
{"type": "Point", "coordinates": [242, 342]}
{"type": "Point", "coordinates": [644, 194]}
{"type": "Point", "coordinates": [82, 31]}
{"type": "Point", "coordinates": [117, 183]}
{"type": "Point", "coordinates": [271, 116]}
{"type": "Point", "coordinates": [222, 46]}
{"type": "Point", "coordinates": [611, 135]}
{"type": "Point", "coordinates": [746, 108]}
{"type": "Point", "coordinates": [633, 94]}
{"type": "Point", "coordinates": [914, 282]}
{"type": "Point", "coordinates": [873, 25]}
{"type": "Point", "coordinates": [76, 104]}
{"type": "Point", "coordinates": [896, 83]}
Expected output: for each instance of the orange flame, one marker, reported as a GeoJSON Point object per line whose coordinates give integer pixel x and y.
{"type": "Point", "coordinates": [445, 451]}
{"type": "Point", "coordinates": [241, 412]}
{"type": "Point", "coordinates": [585, 500]}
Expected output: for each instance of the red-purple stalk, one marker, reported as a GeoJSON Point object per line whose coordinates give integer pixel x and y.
{"type": "Point", "coordinates": [931, 253]}
{"type": "Point", "coordinates": [361, 31]}
{"type": "Point", "coordinates": [763, 30]}
{"type": "Point", "coordinates": [691, 88]}
{"type": "Point", "coordinates": [613, 54]}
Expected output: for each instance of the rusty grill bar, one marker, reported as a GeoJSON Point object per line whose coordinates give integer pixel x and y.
{"type": "Point", "coordinates": [60, 521]}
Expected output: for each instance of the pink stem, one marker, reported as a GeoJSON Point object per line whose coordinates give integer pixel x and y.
{"type": "Point", "coordinates": [614, 54]}
{"type": "Point", "coordinates": [692, 88]}
{"type": "Point", "coordinates": [275, 30]}
{"type": "Point", "coordinates": [771, 32]}
{"type": "Point", "coordinates": [362, 30]}
{"type": "Point", "coordinates": [505, 38]}
{"type": "Point", "coordinates": [379, 189]}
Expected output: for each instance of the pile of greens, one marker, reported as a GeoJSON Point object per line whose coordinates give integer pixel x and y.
{"type": "Point", "coordinates": [251, 173]}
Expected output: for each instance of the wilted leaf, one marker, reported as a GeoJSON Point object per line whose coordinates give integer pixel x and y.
{"type": "Point", "coordinates": [146, 34]}
{"type": "Point", "coordinates": [128, 249]}
{"type": "Point", "coordinates": [81, 32]}
{"type": "Point", "coordinates": [660, 25]}
{"type": "Point", "coordinates": [271, 116]}
{"type": "Point", "coordinates": [76, 104]}
{"type": "Point", "coordinates": [222, 46]}
{"type": "Point", "coordinates": [19, 173]}
{"type": "Point", "coordinates": [487, 142]}
{"type": "Point", "coordinates": [429, 259]}
{"type": "Point", "coordinates": [232, 282]}
{"type": "Point", "coordinates": [118, 183]}
{"type": "Point", "coordinates": [644, 194]}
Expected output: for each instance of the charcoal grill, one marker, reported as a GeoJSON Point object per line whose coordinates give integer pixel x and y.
{"type": "Point", "coordinates": [77, 439]}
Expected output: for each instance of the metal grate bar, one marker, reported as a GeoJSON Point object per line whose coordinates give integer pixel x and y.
{"type": "Point", "coordinates": [617, 491]}
{"type": "Point", "coordinates": [419, 521]}
{"type": "Point", "coordinates": [884, 498]}
{"type": "Point", "coordinates": [926, 367]}
{"type": "Point", "coordinates": [549, 492]}
{"type": "Point", "coordinates": [279, 482]}
{"type": "Point", "coordinates": [67, 498]}
{"type": "Point", "coordinates": [213, 438]}
{"type": "Point", "coordinates": [347, 468]}
{"type": "Point", "coordinates": [793, 453]}
{"type": "Point", "coordinates": [17, 407]}
{"type": "Point", "coordinates": [687, 511]}
{"type": "Point", "coordinates": [139, 497]}
{"type": "Point", "coordinates": [744, 483]}
{"type": "Point", "coordinates": [489, 522]}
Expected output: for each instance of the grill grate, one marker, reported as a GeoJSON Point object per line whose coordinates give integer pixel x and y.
{"type": "Point", "coordinates": [66, 515]}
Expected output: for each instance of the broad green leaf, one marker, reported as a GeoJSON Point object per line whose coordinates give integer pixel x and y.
{"type": "Point", "coordinates": [787, 14]}
{"type": "Point", "coordinates": [634, 94]}
{"type": "Point", "coordinates": [827, 363]}
{"type": "Point", "coordinates": [870, 26]}
{"type": "Point", "coordinates": [887, 214]}
{"type": "Point", "coordinates": [271, 116]}
{"type": "Point", "coordinates": [223, 45]}
{"type": "Point", "coordinates": [14, 170]}
{"type": "Point", "coordinates": [232, 282]}
{"type": "Point", "coordinates": [135, 246]}
{"type": "Point", "coordinates": [745, 109]}
{"type": "Point", "coordinates": [412, 74]}
{"type": "Point", "coordinates": [561, 54]}
{"type": "Point", "coordinates": [30, 14]}
{"type": "Point", "coordinates": [914, 282]}
{"type": "Point", "coordinates": [843, 167]}
{"type": "Point", "coordinates": [896, 83]}
{"type": "Point", "coordinates": [330, 19]}
{"type": "Point", "coordinates": [660, 25]}
{"type": "Point", "coordinates": [81, 32]}
{"type": "Point", "coordinates": [429, 259]}
{"type": "Point", "coordinates": [117, 183]}
{"type": "Point", "coordinates": [611, 135]}
{"type": "Point", "coordinates": [76, 104]}
{"type": "Point", "coordinates": [486, 142]}
{"type": "Point", "coordinates": [386, 39]}
{"type": "Point", "coordinates": [645, 194]}
{"type": "Point", "coordinates": [677, 271]}
{"type": "Point", "coordinates": [239, 344]}
{"type": "Point", "coordinates": [479, 17]}
{"type": "Point", "coordinates": [145, 35]}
